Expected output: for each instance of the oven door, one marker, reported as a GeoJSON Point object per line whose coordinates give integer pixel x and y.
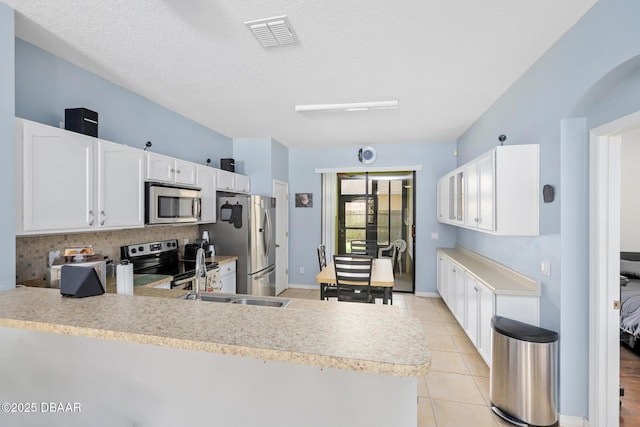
{"type": "Point", "coordinates": [168, 205]}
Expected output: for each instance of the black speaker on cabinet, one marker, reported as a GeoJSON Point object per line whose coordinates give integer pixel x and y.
{"type": "Point", "coordinates": [79, 282]}
{"type": "Point", "coordinates": [228, 165]}
{"type": "Point", "coordinates": [81, 120]}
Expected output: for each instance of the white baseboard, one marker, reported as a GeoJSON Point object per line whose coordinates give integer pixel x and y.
{"type": "Point", "coordinates": [312, 287]}
{"type": "Point", "coordinates": [572, 421]}
{"type": "Point", "coordinates": [427, 294]}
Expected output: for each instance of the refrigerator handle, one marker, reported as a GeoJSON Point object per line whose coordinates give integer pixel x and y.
{"type": "Point", "coordinates": [267, 272]}
{"type": "Point", "coordinates": [267, 232]}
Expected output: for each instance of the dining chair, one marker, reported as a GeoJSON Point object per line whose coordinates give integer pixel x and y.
{"type": "Point", "coordinates": [327, 290]}
{"type": "Point", "coordinates": [378, 291]}
{"type": "Point", "coordinates": [364, 247]}
{"type": "Point", "coordinates": [401, 245]}
{"type": "Point", "coordinates": [353, 277]}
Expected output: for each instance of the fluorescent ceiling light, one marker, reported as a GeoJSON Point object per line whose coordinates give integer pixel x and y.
{"type": "Point", "coordinates": [353, 106]}
{"type": "Point", "coordinates": [271, 32]}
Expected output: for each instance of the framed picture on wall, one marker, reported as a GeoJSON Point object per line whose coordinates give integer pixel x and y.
{"type": "Point", "coordinates": [304, 200]}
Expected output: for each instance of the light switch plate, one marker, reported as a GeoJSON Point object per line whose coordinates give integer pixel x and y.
{"type": "Point", "coordinates": [545, 267]}
{"type": "Point", "coordinates": [301, 270]}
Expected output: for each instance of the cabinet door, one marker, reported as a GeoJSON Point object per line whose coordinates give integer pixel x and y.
{"type": "Point", "coordinates": [440, 274]}
{"type": "Point", "coordinates": [57, 178]}
{"type": "Point", "coordinates": [160, 168]}
{"type": "Point", "coordinates": [486, 185]}
{"type": "Point", "coordinates": [472, 183]}
{"type": "Point", "coordinates": [120, 186]}
{"type": "Point", "coordinates": [226, 180]}
{"type": "Point", "coordinates": [472, 308]}
{"type": "Point", "coordinates": [460, 196]}
{"type": "Point", "coordinates": [228, 277]}
{"type": "Point", "coordinates": [460, 297]}
{"type": "Point", "coordinates": [185, 172]}
{"type": "Point", "coordinates": [451, 197]}
{"type": "Point", "coordinates": [241, 183]}
{"type": "Point", "coordinates": [442, 199]}
{"type": "Point", "coordinates": [486, 309]}
{"type": "Point", "coordinates": [452, 292]}
{"type": "Point", "coordinates": [207, 182]}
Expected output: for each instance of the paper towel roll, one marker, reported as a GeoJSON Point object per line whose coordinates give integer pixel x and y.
{"type": "Point", "coordinates": [124, 278]}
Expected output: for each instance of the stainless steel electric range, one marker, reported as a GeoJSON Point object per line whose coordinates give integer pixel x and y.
{"type": "Point", "coordinates": [163, 257]}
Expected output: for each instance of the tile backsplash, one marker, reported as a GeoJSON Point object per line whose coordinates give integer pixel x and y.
{"type": "Point", "coordinates": [32, 252]}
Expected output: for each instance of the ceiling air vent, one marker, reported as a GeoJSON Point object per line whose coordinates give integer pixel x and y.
{"type": "Point", "coordinates": [271, 32]}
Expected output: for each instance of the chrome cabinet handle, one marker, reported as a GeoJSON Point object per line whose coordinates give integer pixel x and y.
{"type": "Point", "coordinates": [92, 218]}
{"type": "Point", "coordinates": [104, 218]}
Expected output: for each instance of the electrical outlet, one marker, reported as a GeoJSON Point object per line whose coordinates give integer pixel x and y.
{"type": "Point", "coordinates": [434, 236]}
{"type": "Point", "coordinates": [186, 241]}
{"type": "Point", "coordinates": [545, 267]}
{"type": "Point", "coordinates": [301, 270]}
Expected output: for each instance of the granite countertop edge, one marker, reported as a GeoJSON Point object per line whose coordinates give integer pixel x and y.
{"type": "Point", "coordinates": [379, 363]}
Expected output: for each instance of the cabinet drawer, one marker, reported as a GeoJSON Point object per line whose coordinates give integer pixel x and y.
{"type": "Point", "coordinates": [228, 268]}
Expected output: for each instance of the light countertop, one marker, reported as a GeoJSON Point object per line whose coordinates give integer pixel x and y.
{"type": "Point", "coordinates": [500, 279]}
{"type": "Point", "coordinates": [330, 334]}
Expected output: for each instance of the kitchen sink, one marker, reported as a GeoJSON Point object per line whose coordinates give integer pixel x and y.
{"type": "Point", "coordinates": [262, 302]}
{"type": "Point", "coordinates": [214, 297]}
{"type": "Point", "coordinates": [241, 299]}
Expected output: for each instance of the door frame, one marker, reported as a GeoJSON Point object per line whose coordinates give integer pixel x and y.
{"type": "Point", "coordinates": [282, 234]}
{"type": "Point", "coordinates": [604, 268]}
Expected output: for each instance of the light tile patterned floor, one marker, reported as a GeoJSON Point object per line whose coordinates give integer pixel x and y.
{"type": "Point", "coordinates": [455, 393]}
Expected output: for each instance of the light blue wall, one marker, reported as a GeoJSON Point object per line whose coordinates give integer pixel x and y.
{"type": "Point", "coordinates": [304, 224]}
{"type": "Point", "coordinates": [577, 76]}
{"type": "Point", "coordinates": [279, 161]}
{"type": "Point", "coordinates": [7, 150]}
{"type": "Point", "coordinates": [46, 85]}
{"type": "Point", "coordinates": [263, 159]}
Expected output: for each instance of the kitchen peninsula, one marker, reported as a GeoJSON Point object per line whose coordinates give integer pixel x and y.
{"type": "Point", "coordinates": [163, 362]}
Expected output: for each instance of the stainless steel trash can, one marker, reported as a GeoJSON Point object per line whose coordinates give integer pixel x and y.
{"type": "Point", "coordinates": [523, 384]}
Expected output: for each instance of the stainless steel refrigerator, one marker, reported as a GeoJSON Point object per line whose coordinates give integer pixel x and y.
{"type": "Point", "coordinates": [245, 227]}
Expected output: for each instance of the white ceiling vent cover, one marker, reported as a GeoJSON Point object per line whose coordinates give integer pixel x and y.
{"type": "Point", "coordinates": [271, 32]}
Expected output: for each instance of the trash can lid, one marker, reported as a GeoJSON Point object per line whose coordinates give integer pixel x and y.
{"type": "Point", "coordinates": [522, 331]}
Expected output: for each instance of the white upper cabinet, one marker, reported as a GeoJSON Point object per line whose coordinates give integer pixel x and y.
{"type": "Point", "coordinates": [241, 183]}
{"type": "Point", "coordinates": [168, 169]}
{"type": "Point", "coordinates": [480, 192]}
{"type": "Point", "coordinates": [69, 182]}
{"type": "Point", "coordinates": [55, 179]}
{"type": "Point", "coordinates": [185, 172]}
{"type": "Point", "coordinates": [120, 186]}
{"type": "Point", "coordinates": [495, 193]}
{"type": "Point", "coordinates": [233, 182]}
{"type": "Point", "coordinates": [442, 199]}
{"type": "Point", "coordinates": [207, 178]}
{"type": "Point", "coordinates": [226, 180]}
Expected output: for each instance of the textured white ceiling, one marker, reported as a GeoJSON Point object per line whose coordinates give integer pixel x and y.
{"type": "Point", "coordinates": [445, 61]}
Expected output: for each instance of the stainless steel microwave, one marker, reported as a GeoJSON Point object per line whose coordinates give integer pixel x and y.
{"type": "Point", "coordinates": [167, 204]}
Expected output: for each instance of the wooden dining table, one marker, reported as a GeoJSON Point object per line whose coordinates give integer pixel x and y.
{"type": "Point", "coordinates": [381, 276]}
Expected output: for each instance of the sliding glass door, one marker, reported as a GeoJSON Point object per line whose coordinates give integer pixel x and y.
{"type": "Point", "coordinates": [375, 211]}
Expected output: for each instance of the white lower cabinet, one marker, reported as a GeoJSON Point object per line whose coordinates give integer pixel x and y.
{"type": "Point", "coordinates": [486, 310]}
{"type": "Point", "coordinates": [228, 277]}
{"type": "Point", "coordinates": [473, 308]}
{"type": "Point", "coordinates": [474, 301]}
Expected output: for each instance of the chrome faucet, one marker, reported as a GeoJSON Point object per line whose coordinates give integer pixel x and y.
{"type": "Point", "coordinates": [200, 282]}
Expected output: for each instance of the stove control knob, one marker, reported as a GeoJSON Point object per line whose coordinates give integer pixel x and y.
{"type": "Point", "coordinates": [133, 250]}
{"type": "Point", "coordinates": [141, 249]}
